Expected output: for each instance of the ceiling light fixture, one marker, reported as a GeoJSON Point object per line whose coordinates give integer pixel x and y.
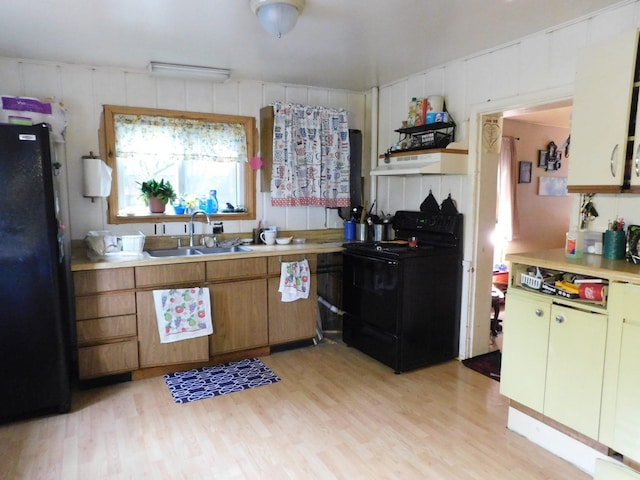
{"type": "Point", "coordinates": [277, 17]}
{"type": "Point", "coordinates": [177, 70]}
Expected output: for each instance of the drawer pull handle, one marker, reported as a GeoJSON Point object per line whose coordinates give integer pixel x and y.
{"type": "Point", "coordinates": [638, 161]}
{"type": "Point", "coordinates": [559, 319]}
{"type": "Point", "coordinates": [539, 312]}
{"type": "Point", "coordinates": [613, 156]}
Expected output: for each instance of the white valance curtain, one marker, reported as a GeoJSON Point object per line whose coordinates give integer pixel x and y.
{"type": "Point", "coordinates": [310, 157]}
{"type": "Point", "coordinates": [147, 137]}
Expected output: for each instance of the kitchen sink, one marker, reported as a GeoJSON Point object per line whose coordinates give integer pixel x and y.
{"type": "Point", "coordinates": [217, 250]}
{"type": "Point", "coordinates": [193, 251]}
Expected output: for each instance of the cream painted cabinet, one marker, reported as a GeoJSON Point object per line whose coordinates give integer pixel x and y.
{"type": "Point", "coordinates": [291, 321]}
{"type": "Point", "coordinates": [553, 358]}
{"type": "Point", "coordinates": [602, 109]}
{"type": "Point", "coordinates": [575, 364]}
{"type": "Point", "coordinates": [524, 348]}
{"type": "Point", "coordinates": [621, 393]}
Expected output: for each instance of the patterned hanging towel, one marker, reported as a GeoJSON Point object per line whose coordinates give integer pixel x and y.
{"type": "Point", "coordinates": [183, 313]}
{"type": "Point", "coordinates": [295, 280]}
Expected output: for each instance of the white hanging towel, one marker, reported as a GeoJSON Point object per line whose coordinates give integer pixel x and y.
{"type": "Point", "coordinates": [295, 280]}
{"type": "Point", "coordinates": [183, 313]}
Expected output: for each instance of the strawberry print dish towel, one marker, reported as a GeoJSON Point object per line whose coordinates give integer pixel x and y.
{"type": "Point", "coordinates": [183, 313]}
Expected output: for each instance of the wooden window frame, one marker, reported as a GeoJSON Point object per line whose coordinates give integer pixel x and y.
{"type": "Point", "coordinates": [107, 150]}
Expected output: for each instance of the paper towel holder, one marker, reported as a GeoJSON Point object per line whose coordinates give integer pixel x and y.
{"type": "Point", "coordinates": [96, 177]}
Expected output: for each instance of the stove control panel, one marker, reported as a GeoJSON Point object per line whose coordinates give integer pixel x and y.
{"type": "Point", "coordinates": [420, 221]}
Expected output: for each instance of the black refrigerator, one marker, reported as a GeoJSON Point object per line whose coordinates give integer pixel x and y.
{"type": "Point", "coordinates": [35, 312]}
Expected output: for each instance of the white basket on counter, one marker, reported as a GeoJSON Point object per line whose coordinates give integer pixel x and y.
{"type": "Point", "coordinates": [103, 243]}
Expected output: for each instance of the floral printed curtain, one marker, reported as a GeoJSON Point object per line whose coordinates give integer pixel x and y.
{"type": "Point", "coordinates": [179, 139]}
{"type": "Point", "coordinates": [310, 157]}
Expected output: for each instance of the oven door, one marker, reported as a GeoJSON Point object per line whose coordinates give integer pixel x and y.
{"type": "Point", "coordinates": [371, 288]}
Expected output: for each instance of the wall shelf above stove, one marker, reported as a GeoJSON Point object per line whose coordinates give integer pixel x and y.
{"type": "Point", "coordinates": [441, 161]}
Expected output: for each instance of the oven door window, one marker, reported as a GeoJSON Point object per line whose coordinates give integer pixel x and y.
{"type": "Point", "coordinates": [372, 288]}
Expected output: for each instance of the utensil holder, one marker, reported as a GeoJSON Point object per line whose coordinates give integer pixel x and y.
{"type": "Point", "coordinates": [349, 230]}
{"type": "Point", "coordinates": [615, 243]}
{"type": "Point", "coordinates": [362, 232]}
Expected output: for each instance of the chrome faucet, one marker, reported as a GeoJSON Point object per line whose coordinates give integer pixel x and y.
{"type": "Point", "coordinates": [191, 224]}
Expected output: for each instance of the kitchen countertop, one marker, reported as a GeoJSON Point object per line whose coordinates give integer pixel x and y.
{"type": "Point", "coordinates": [80, 261]}
{"type": "Point", "coordinates": [590, 264]}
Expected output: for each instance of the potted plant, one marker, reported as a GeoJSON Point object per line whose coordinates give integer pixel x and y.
{"type": "Point", "coordinates": [157, 194]}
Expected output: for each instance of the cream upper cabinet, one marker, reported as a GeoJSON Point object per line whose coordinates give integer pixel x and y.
{"type": "Point", "coordinates": [575, 365]}
{"type": "Point", "coordinates": [601, 113]}
{"type": "Point", "coordinates": [524, 349]}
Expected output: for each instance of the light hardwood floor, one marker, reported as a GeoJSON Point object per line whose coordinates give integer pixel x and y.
{"type": "Point", "coordinates": [336, 413]}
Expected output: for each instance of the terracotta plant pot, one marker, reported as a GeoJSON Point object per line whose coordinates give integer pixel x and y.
{"type": "Point", "coordinates": [156, 205]}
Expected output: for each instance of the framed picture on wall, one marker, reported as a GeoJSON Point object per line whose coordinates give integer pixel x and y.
{"type": "Point", "coordinates": [542, 158]}
{"type": "Point", "coordinates": [524, 172]}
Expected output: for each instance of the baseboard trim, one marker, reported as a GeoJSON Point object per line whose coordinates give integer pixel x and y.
{"type": "Point", "coordinates": [570, 449]}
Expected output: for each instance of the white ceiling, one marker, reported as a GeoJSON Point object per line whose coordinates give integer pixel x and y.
{"type": "Point", "coordinates": [347, 44]}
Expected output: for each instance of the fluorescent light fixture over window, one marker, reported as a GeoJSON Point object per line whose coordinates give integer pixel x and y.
{"type": "Point", "coordinates": [177, 70]}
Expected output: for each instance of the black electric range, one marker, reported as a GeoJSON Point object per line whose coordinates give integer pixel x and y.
{"type": "Point", "coordinates": [402, 302]}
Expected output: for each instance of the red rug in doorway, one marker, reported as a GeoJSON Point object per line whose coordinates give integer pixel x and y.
{"type": "Point", "coordinates": [487, 364]}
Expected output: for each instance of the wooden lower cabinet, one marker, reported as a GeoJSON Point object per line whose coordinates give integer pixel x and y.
{"type": "Point", "coordinates": [105, 308]}
{"type": "Point", "coordinates": [116, 318]}
{"type": "Point", "coordinates": [152, 353]}
{"type": "Point", "coordinates": [291, 321]}
{"type": "Point", "coordinates": [239, 316]}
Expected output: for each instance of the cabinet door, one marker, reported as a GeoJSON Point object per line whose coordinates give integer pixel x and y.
{"type": "Point", "coordinates": [524, 349]}
{"type": "Point", "coordinates": [152, 352]}
{"type": "Point", "coordinates": [291, 321]}
{"type": "Point", "coordinates": [575, 368]}
{"type": "Point", "coordinates": [239, 316]}
{"type": "Point", "coordinates": [621, 415]}
{"type": "Point", "coordinates": [601, 112]}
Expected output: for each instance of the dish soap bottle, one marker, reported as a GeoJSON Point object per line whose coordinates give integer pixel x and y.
{"type": "Point", "coordinates": [574, 244]}
{"type": "Point", "coordinates": [212, 202]}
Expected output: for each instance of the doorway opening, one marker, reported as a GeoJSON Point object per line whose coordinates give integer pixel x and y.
{"type": "Point", "coordinates": [538, 215]}
{"type": "Point", "coordinates": [542, 217]}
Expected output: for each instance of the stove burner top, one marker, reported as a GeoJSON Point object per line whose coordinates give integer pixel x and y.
{"type": "Point", "coordinates": [433, 232]}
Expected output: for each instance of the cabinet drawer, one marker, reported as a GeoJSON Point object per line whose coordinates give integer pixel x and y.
{"type": "Point", "coordinates": [165, 275]}
{"type": "Point", "coordinates": [230, 269]}
{"type": "Point", "coordinates": [98, 329]}
{"type": "Point", "coordinates": [105, 305]}
{"type": "Point", "coordinates": [274, 263]}
{"type": "Point", "coordinates": [107, 359]}
{"type": "Point", "coordinates": [88, 282]}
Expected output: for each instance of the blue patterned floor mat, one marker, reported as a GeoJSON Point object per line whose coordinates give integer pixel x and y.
{"type": "Point", "coordinates": [209, 382]}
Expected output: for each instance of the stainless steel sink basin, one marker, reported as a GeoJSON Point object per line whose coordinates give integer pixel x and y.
{"type": "Point", "coordinates": [193, 251]}
{"type": "Point", "coordinates": [217, 250]}
{"type": "Point", "coordinates": [174, 252]}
